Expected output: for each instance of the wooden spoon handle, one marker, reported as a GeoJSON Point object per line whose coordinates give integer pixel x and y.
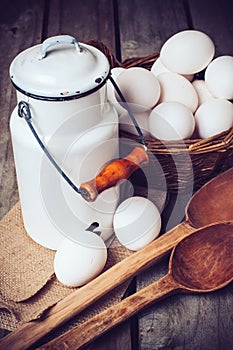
{"type": "Point", "coordinates": [70, 306]}
{"type": "Point", "coordinates": [113, 173]}
{"type": "Point", "coordinates": [114, 315]}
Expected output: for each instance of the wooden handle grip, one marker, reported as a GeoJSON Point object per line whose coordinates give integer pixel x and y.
{"type": "Point", "coordinates": [99, 324]}
{"type": "Point", "coordinates": [113, 173]}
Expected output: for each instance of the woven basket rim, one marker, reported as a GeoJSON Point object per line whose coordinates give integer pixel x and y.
{"type": "Point", "coordinates": [218, 142]}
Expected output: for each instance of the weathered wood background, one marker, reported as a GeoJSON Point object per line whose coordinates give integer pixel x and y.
{"type": "Point", "coordinates": [129, 28]}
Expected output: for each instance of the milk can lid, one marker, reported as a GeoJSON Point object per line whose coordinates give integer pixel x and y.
{"type": "Point", "coordinates": [59, 69]}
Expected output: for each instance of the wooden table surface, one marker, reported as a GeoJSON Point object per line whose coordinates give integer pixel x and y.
{"type": "Point", "coordinates": [129, 28]}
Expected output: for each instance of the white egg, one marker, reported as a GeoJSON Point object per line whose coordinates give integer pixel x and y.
{"type": "Point", "coordinates": [171, 121]}
{"type": "Point", "coordinates": [126, 124]}
{"type": "Point", "coordinates": [213, 117]}
{"type": "Point", "coordinates": [111, 90]}
{"type": "Point", "coordinates": [175, 88]}
{"type": "Point", "coordinates": [116, 71]}
{"type": "Point", "coordinates": [76, 263]}
{"type": "Point", "coordinates": [136, 222]}
{"type": "Point", "coordinates": [139, 87]}
{"type": "Point", "coordinates": [187, 52]}
{"type": "Point", "coordinates": [159, 68]}
{"type": "Point", "coordinates": [219, 77]}
{"type": "Point", "coordinates": [202, 91]}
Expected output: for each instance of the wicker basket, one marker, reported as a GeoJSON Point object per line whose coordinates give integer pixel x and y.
{"type": "Point", "coordinates": [185, 164]}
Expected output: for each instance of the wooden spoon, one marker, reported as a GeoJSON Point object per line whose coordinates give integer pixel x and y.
{"type": "Point", "coordinates": [215, 198]}
{"type": "Point", "coordinates": [202, 262]}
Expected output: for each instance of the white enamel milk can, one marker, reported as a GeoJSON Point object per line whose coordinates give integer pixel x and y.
{"type": "Point", "coordinates": [63, 131]}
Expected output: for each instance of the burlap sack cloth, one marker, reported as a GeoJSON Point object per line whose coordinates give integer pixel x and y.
{"type": "Point", "coordinates": [28, 285]}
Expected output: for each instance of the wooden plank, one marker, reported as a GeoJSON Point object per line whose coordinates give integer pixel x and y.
{"type": "Point", "coordinates": [85, 20]}
{"type": "Point", "coordinates": [215, 19]}
{"type": "Point", "coordinates": [116, 339]}
{"type": "Point", "coordinates": [20, 26]}
{"type": "Point", "coordinates": [186, 321]}
{"type": "Point", "coordinates": [145, 25]}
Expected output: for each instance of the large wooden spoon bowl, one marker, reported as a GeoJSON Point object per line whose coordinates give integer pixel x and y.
{"type": "Point", "coordinates": [203, 261]}
{"type": "Point", "coordinates": [213, 202]}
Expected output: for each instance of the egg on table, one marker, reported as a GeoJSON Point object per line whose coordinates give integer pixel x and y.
{"type": "Point", "coordinates": [171, 121]}
{"type": "Point", "coordinates": [219, 77]}
{"type": "Point", "coordinates": [213, 117]}
{"type": "Point", "coordinates": [187, 52]}
{"type": "Point", "coordinates": [78, 262]}
{"type": "Point", "coordinates": [139, 87]}
{"type": "Point", "coordinates": [136, 222]}
{"type": "Point", "coordinates": [175, 87]}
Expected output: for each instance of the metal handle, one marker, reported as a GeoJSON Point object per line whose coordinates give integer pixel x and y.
{"type": "Point", "coordinates": [24, 112]}
{"type": "Point", "coordinates": [108, 177]}
{"type": "Point", "coordinates": [59, 39]}
{"type": "Point", "coordinates": [131, 115]}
